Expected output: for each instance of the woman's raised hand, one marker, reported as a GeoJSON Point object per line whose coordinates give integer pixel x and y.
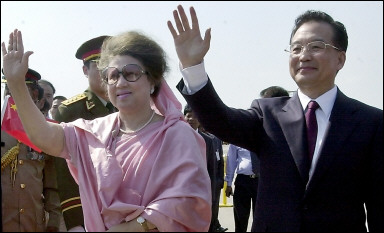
{"type": "Point", "coordinates": [15, 61]}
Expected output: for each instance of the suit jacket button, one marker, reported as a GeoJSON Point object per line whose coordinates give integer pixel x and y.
{"type": "Point", "coordinates": [21, 211]}
{"type": "Point", "coordinates": [22, 186]}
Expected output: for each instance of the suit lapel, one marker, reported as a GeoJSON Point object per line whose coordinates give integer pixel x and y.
{"type": "Point", "coordinates": [341, 125]}
{"type": "Point", "coordinates": [293, 126]}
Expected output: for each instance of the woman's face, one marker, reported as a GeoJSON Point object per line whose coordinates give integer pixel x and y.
{"type": "Point", "coordinates": [129, 97]}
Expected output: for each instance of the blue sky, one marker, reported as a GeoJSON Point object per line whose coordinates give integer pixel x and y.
{"type": "Point", "coordinates": [247, 46]}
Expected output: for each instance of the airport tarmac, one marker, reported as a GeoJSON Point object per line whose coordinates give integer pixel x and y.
{"type": "Point", "coordinates": [226, 215]}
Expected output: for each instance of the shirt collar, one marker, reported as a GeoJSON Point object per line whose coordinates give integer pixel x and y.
{"type": "Point", "coordinates": [325, 101]}
{"type": "Point", "coordinates": [102, 100]}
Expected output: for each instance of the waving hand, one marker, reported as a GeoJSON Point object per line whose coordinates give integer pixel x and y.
{"type": "Point", "coordinates": [190, 47]}
{"type": "Point", "coordinates": [15, 60]}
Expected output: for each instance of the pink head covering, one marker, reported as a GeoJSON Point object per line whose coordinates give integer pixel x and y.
{"type": "Point", "coordinates": [166, 103]}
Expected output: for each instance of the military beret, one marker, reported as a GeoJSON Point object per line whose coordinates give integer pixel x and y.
{"type": "Point", "coordinates": [31, 76]}
{"type": "Point", "coordinates": [90, 49]}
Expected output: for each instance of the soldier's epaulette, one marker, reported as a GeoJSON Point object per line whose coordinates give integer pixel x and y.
{"type": "Point", "coordinates": [74, 99]}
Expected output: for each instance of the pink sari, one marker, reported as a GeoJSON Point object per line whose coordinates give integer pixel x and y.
{"type": "Point", "coordinates": [159, 173]}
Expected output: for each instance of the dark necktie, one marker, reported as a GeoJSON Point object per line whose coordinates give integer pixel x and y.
{"type": "Point", "coordinates": [310, 118]}
{"type": "Point", "coordinates": [110, 107]}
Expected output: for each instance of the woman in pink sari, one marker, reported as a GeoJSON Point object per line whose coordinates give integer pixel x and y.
{"type": "Point", "coordinates": [140, 169]}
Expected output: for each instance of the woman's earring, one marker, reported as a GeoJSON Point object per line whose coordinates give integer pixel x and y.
{"type": "Point", "coordinates": [152, 90]}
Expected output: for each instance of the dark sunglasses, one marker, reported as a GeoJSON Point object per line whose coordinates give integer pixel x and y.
{"type": "Point", "coordinates": [130, 72]}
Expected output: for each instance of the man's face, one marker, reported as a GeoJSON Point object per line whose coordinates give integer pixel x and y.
{"type": "Point", "coordinates": [55, 104]}
{"type": "Point", "coordinates": [95, 82]}
{"type": "Point", "coordinates": [315, 72]}
{"type": "Point", "coordinates": [192, 120]}
{"type": "Point", "coordinates": [48, 93]}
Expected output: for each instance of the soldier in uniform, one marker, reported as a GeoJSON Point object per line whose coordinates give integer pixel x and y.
{"type": "Point", "coordinates": [28, 181]}
{"type": "Point", "coordinates": [93, 102]}
{"type": "Point", "coordinates": [90, 104]}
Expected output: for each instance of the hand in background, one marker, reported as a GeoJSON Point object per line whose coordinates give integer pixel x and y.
{"type": "Point", "coordinates": [228, 191]}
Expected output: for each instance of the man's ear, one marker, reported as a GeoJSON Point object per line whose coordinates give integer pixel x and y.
{"type": "Point", "coordinates": [342, 58]}
{"type": "Point", "coordinates": [85, 70]}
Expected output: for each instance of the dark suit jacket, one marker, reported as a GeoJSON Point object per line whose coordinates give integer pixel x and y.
{"type": "Point", "coordinates": [211, 160]}
{"type": "Point", "coordinates": [218, 148]}
{"type": "Point", "coordinates": [348, 174]}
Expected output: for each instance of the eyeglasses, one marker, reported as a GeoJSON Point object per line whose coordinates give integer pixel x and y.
{"type": "Point", "coordinates": [130, 72]}
{"type": "Point", "coordinates": [314, 47]}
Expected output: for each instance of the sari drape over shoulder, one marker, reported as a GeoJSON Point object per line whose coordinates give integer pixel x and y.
{"type": "Point", "coordinates": [159, 172]}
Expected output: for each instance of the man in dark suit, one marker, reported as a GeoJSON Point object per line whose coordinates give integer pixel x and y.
{"type": "Point", "coordinates": [309, 181]}
{"type": "Point", "coordinates": [212, 167]}
{"type": "Point", "coordinates": [219, 164]}
{"type": "Point", "coordinates": [90, 104]}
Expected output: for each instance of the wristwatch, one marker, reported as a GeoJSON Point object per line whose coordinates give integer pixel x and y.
{"type": "Point", "coordinates": [143, 222]}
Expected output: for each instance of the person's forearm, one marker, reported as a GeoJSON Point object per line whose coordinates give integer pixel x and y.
{"type": "Point", "coordinates": [47, 136]}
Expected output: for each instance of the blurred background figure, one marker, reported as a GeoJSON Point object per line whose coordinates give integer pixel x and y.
{"type": "Point", "coordinates": [219, 168]}
{"type": "Point", "coordinates": [55, 104]}
{"type": "Point", "coordinates": [49, 92]}
{"type": "Point", "coordinates": [212, 162]}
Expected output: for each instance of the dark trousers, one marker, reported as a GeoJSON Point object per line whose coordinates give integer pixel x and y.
{"type": "Point", "coordinates": [243, 198]}
{"type": "Point", "coordinates": [215, 211]}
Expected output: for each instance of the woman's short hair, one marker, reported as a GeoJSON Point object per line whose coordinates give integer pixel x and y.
{"type": "Point", "coordinates": [140, 47]}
